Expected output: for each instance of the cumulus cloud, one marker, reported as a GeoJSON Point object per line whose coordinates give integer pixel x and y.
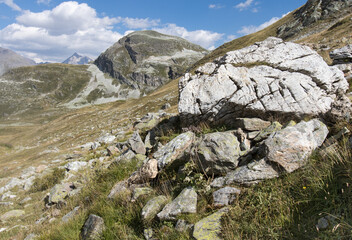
{"type": "Point", "coordinates": [252, 29]}
{"type": "Point", "coordinates": [215, 6]}
{"type": "Point", "coordinates": [139, 23]}
{"type": "Point", "coordinates": [43, 1]}
{"type": "Point", "coordinates": [53, 35]}
{"type": "Point", "coordinates": [11, 4]}
{"type": "Point", "coordinates": [244, 5]}
{"type": "Point", "coordinates": [203, 38]}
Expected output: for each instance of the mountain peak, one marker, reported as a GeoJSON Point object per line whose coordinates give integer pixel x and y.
{"type": "Point", "coordinates": [77, 59]}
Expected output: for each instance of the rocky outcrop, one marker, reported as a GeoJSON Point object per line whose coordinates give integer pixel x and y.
{"type": "Point", "coordinates": [225, 196]}
{"type": "Point", "coordinates": [153, 206]}
{"type": "Point", "coordinates": [283, 151]}
{"type": "Point", "coordinates": [148, 59]}
{"type": "Point", "coordinates": [268, 78]}
{"type": "Point", "coordinates": [342, 55]}
{"type": "Point", "coordinates": [311, 12]}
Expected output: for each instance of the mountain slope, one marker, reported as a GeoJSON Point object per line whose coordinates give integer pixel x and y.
{"type": "Point", "coordinates": [9, 59]}
{"type": "Point", "coordinates": [77, 59]}
{"type": "Point", "coordinates": [328, 32]}
{"type": "Point", "coordinates": [148, 59]}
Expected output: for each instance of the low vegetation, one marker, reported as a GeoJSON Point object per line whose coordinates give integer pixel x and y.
{"type": "Point", "coordinates": [48, 181]}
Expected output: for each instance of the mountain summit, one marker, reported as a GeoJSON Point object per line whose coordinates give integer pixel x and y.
{"type": "Point", "coordinates": [9, 59]}
{"type": "Point", "coordinates": [77, 59]}
{"type": "Point", "coordinates": [148, 59]}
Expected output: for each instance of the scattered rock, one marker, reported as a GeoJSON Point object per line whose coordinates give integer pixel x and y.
{"type": "Point", "coordinates": [209, 227]}
{"type": "Point", "coordinates": [138, 192]}
{"type": "Point", "coordinates": [59, 192]}
{"type": "Point", "coordinates": [112, 150]}
{"type": "Point", "coordinates": [120, 188]}
{"type": "Point", "coordinates": [147, 122]}
{"type": "Point", "coordinates": [275, 126]}
{"type": "Point", "coordinates": [152, 207]}
{"type": "Point", "coordinates": [75, 166]}
{"type": "Point", "coordinates": [225, 196]}
{"type": "Point", "coordinates": [93, 228]}
{"type": "Point", "coordinates": [6, 204]}
{"type": "Point", "coordinates": [183, 226]}
{"type": "Point", "coordinates": [165, 106]}
{"type": "Point", "coordinates": [70, 215]}
{"type": "Point", "coordinates": [176, 149]}
{"type": "Point", "coordinates": [270, 77]}
{"type": "Point", "coordinates": [252, 124]}
{"type": "Point", "coordinates": [254, 172]}
{"type": "Point", "coordinates": [107, 139]}
{"type": "Point", "coordinates": [148, 171]}
{"type": "Point", "coordinates": [12, 214]}
{"type": "Point", "coordinates": [185, 202]}
{"type": "Point", "coordinates": [136, 144]}
{"type": "Point", "coordinates": [217, 153]}
{"type": "Point", "coordinates": [291, 146]}
{"type": "Point", "coordinates": [342, 55]}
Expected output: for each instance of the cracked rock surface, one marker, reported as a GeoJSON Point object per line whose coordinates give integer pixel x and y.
{"type": "Point", "coordinates": [268, 78]}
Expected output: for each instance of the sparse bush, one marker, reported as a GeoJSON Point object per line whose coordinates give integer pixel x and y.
{"type": "Point", "coordinates": [49, 180]}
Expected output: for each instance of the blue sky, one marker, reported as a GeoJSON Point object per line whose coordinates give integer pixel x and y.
{"type": "Point", "coordinates": [52, 30]}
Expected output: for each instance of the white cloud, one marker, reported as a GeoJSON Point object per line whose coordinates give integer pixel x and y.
{"type": "Point", "coordinates": [215, 6]}
{"type": "Point", "coordinates": [244, 5]}
{"type": "Point", "coordinates": [252, 29]}
{"type": "Point", "coordinates": [204, 38]}
{"type": "Point", "coordinates": [11, 4]}
{"type": "Point", "coordinates": [139, 23]}
{"type": "Point", "coordinates": [43, 1]}
{"type": "Point", "coordinates": [231, 37]}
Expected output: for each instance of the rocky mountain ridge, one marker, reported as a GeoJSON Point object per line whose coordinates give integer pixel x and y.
{"type": "Point", "coordinates": [148, 59]}
{"type": "Point", "coordinates": [9, 59]}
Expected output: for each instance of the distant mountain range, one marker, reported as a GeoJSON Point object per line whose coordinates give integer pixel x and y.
{"type": "Point", "coordinates": [77, 59]}
{"type": "Point", "coordinates": [9, 59]}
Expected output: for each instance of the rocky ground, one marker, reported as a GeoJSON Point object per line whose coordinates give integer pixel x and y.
{"type": "Point", "coordinates": [182, 176]}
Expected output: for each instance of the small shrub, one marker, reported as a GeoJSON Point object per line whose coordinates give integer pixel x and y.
{"type": "Point", "coordinates": [48, 181]}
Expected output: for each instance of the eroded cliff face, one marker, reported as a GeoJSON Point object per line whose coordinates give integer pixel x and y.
{"type": "Point", "coordinates": [148, 59]}
{"type": "Point", "coordinates": [313, 11]}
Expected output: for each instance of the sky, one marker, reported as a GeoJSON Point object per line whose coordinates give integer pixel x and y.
{"type": "Point", "coordinates": [52, 30]}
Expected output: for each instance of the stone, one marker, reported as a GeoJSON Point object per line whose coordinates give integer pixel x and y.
{"type": "Point", "coordinates": [174, 150]}
{"type": "Point", "coordinates": [185, 202]}
{"type": "Point", "coordinates": [58, 193]}
{"type": "Point", "coordinates": [183, 226]}
{"type": "Point", "coordinates": [93, 228]}
{"type": "Point", "coordinates": [252, 135]}
{"type": "Point", "coordinates": [125, 156]}
{"type": "Point", "coordinates": [139, 192]}
{"type": "Point", "coordinates": [6, 204]}
{"type": "Point", "coordinates": [165, 106]}
{"type": "Point", "coordinates": [153, 206]}
{"type": "Point", "coordinates": [107, 139]}
{"type": "Point", "coordinates": [148, 171]}
{"type": "Point", "coordinates": [291, 146]}
{"type": "Point", "coordinates": [217, 153]}
{"type": "Point", "coordinates": [137, 144]}
{"type": "Point", "coordinates": [322, 224]}
{"type": "Point", "coordinates": [342, 55]}
{"type": "Point", "coordinates": [268, 78]}
{"type": "Point", "coordinates": [209, 227]}
{"type": "Point", "coordinates": [251, 173]}
{"type": "Point", "coordinates": [265, 133]}
{"type": "Point", "coordinates": [112, 150]}
{"type": "Point", "coordinates": [225, 196]}
{"type": "Point", "coordinates": [14, 182]}
{"type": "Point", "coordinates": [70, 215]}
{"type": "Point", "coordinates": [252, 124]}
{"type": "Point", "coordinates": [149, 121]}
{"type": "Point", "coordinates": [120, 188]}
{"type": "Point", "coordinates": [75, 166]}
{"type": "Point", "coordinates": [12, 214]}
